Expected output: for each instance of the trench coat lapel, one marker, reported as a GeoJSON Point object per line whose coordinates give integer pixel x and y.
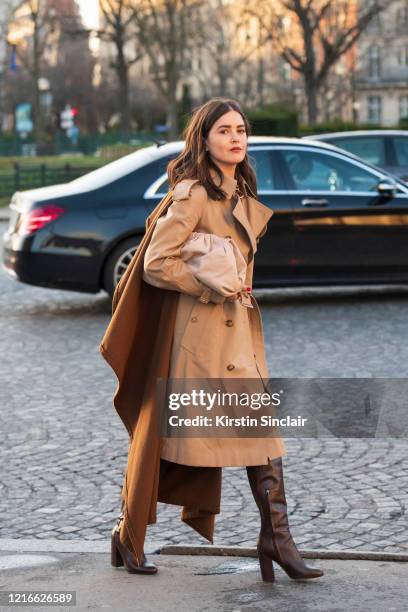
{"type": "Point", "coordinates": [253, 216]}
{"type": "Point", "coordinates": [241, 215]}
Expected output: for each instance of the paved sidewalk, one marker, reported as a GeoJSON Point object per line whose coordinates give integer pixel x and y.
{"type": "Point", "coordinates": [196, 583]}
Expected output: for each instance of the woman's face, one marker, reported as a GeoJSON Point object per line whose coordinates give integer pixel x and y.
{"type": "Point", "coordinates": [227, 139]}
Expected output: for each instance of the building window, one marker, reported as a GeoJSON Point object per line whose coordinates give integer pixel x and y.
{"type": "Point", "coordinates": [374, 108]}
{"type": "Point", "coordinates": [403, 107]}
{"type": "Point", "coordinates": [375, 24]}
{"type": "Point", "coordinates": [374, 67]}
{"type": "Point", "coordinates": [402, 17]}
{"type": "Point", "coordinates": [403, 56]}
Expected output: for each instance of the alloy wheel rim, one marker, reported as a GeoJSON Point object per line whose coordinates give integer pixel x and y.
{"type": "Point", "coordinates": [122, 263]}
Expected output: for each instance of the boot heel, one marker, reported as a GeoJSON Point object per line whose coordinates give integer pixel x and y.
{"type": "Point", "coordinates": [266, 565]}
{"type": "Point", "coordinates": [116, 557]}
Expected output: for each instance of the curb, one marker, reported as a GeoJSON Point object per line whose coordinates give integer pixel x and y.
{"type": "Point", "coordinates": [34, 545]}
{"type": "Point", "coordinates": [153, 547]}
{"type": "Point", "coordinates": [236, 551]}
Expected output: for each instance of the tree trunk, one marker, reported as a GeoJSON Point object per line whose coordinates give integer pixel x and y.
{"type": "Point", "coordinates": [123, 77]}
{"type": "Point", "coordinates": [36, 77]}
{"type": "Point", "coordinates": [124, 100]}
{"type": "Point", "coordinates": [222, 76]}
{"type": "Point", "coordinates": [261, 82]}
{"type": "Point", "coordinates": [311, 96]}
{"type": "Point", "coordinates": [172, 114]}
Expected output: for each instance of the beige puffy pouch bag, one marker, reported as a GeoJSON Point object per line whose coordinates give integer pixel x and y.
{"type": "Point", "coordinates": [215, 261]}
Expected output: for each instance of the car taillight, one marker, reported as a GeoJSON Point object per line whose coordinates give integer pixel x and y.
{"type": "Point", "coordinates": [35, 219]}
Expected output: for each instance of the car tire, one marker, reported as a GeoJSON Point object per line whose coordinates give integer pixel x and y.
{"type": "Point", "coordinates": [118, 261]}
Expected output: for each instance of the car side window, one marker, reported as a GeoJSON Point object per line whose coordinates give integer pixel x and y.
{"type": "Point", "coordinates": [401, 150]}
{"type": "Point", "coordinates": [371, 149]}
{"type": "Point", "coordinates": [163, 188]}
{"type": "Point", "coordinates": [315, 171]}
{"type": "Point", "coordinates": [261, 162]}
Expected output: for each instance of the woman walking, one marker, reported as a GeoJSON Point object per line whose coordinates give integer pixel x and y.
{"type": "Point", "coordinates": [167, 323]}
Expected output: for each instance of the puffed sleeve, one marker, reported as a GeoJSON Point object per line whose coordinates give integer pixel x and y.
{"type": "Point", "coordinates": [163, 266]}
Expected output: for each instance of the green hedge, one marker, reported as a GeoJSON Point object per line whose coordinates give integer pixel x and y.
{"type": "Point", "coordinates": [273, 120]}
{"type": "Point", "coordinates": [342, 126]}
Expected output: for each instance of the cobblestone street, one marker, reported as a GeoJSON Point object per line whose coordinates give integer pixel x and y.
{"type": "Point", "coordinates": [63, 447]}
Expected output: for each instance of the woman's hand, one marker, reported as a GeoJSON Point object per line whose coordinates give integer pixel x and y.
{"type": "Point", "coordinates": [238, 296]}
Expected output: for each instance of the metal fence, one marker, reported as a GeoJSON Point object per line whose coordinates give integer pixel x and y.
{"type": "Point", "coordinates": [28, 177]}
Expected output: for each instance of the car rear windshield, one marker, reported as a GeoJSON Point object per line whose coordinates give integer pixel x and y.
{"type": "Point", "coordinates": [371, 149]}
{"type": "Point", "coordinates": [115, 170]}
{"type": "Point", "coordinates": [401, 150]}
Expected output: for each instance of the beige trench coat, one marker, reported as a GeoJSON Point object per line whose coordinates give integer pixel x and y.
{"type": "Point", "coordinates": [219, 339]}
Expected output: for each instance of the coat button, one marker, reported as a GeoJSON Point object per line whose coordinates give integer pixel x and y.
{"type": "Point", "coordinates": [194, 319]}
{"type": "Point", "coordinates": [229, 323]}
{"type": "Point", "coordinates": [230, 366]}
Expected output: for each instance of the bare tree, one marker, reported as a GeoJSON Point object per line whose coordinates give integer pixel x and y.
{"type": "Point", "coordinates": [6, 14]}
{"type": "Point", "coordinates": [119, 30]}
{"type": "Point", "coordinates": [71, 73]}
{"type": "Point", "coordinates": [311, 35]}
{"type": "Point", "coordinates": [38, 19]}
{"type": "Point", "coordinates": [231, 40]}
{"type": "Point", "coordinates": [165, 29]}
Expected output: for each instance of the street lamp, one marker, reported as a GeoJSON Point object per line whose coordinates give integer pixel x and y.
{"type": "Point", "coordinates": [44, 88]}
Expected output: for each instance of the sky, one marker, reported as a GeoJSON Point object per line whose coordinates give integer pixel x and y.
{"type": "Point", "coordinates": [89, 12]}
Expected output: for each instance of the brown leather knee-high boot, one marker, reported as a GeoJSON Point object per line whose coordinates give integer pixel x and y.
{"type": "Point", "coordinates": [275, 541]}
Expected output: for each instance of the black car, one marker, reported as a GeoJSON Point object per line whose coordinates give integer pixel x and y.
{"type": "Point", "coordinates": [387, 149]}
{"type": "Point", "coordinates": [337, 219]}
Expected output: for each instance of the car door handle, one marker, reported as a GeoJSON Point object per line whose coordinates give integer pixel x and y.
{"type": "Point", "coordinates": [312, 202]}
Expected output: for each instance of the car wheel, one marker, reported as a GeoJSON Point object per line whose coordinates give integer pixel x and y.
{"type": "Point", "coordinates": [118, 261]}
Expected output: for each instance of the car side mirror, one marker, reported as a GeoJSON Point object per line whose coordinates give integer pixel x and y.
{"type": "Point", "coordinates": [387, 188]}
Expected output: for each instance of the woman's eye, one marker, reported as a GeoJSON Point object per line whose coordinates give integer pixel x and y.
{"type": "Point", "coordinates": [225, 131]}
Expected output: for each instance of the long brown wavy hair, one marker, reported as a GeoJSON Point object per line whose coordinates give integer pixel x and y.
{"type": "Point", "coordinates": [195, 162]}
